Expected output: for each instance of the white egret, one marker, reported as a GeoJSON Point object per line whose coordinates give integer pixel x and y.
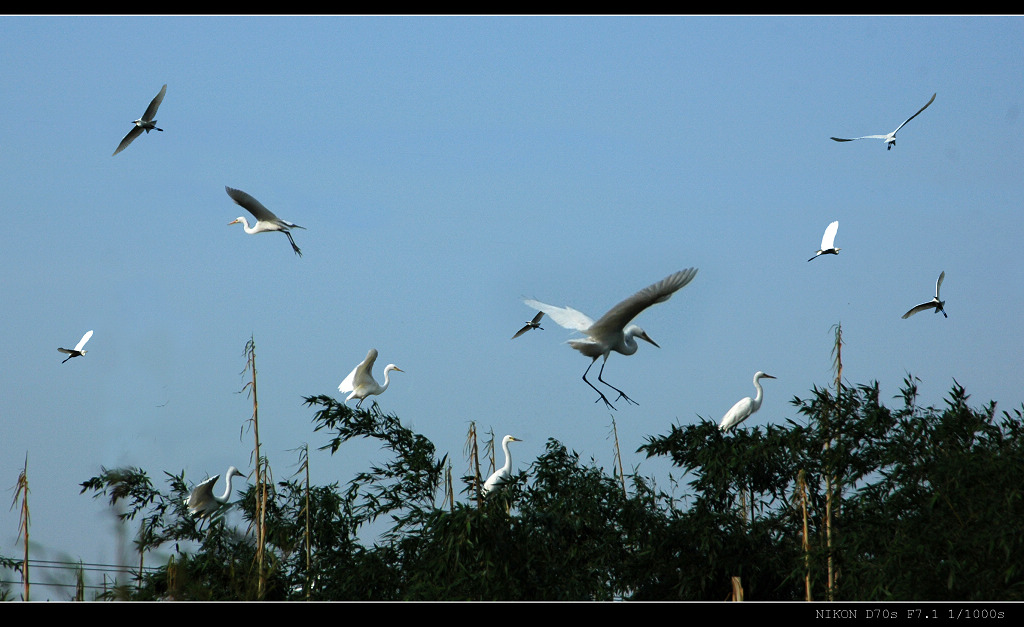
{"type": "Point", "coordinates": [265, 219]}
{"type": "Point", "coordinates": [202, 501]}
{"type": "Point", "coordinates": [145, 123]}
{"type": "Point", "coordinates": [890, 139]}
{"type": "Point", "coordinates": [532, 324]}
{"type": "Point", "coordinates": [742, 409]}
{"type": "Point", "coordinates": [935, 303]}
{"type": "Point", "coordinates": [77, 350]}
{"type": "Point", "coordinates": [501, 475]}
{"type": "Point", "coordinates": [828, 241]}
{"type": "Point", "coordinates": [610, 332]}
{"type": "Point", "coordinates": [361, 382]}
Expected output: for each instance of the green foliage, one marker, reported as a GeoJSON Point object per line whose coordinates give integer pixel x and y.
{"type": "Point", "coordinates": [926, 503]}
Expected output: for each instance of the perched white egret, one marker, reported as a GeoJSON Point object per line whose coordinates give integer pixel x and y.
{"type": "Point", "coordinates": [828, 241]}
{"type": "Point", "coordinates": [145, 123]}
{"type": "Point", "coordinates": [501, 475]}
{"type": "Point", "coordinates": [935, 303]}
{"type": "Point", "coordinates": [77, 350]}
{"type": "Point", "coordinates": [361, 382]}
{"type": "Point", "coordinates": [532, 324]}
{"type": "Point", "coordinates": [202, 501]}
{"type": "Point", "coordinates": [742, 409]}
{"type": "Point", "coordinates": [265, 219]}
{"type": "Point", "coordinates": [611, 332]}
{"type": "Point", "coordinates": [890, 139]}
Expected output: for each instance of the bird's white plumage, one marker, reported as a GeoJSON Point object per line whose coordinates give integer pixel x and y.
{"type": "Point", "coordinates": [202, 501]}
{"type": "Point", "coordinates": [744, 407]}
{"type": "Point", "coordinates": [610, 332]}
{"type": "Point", "coordinates": [934, 303]}
{"type": "Point", "coordinates": [360, 381]}
{"type": "Point", "coordinates": [146, 123]}
{"type": "Point", "coordinates": [890, 139]}
{"type": "Point", "coordinates": [502, 474]}
{"type": "Point", "coordinates": [265, 218]}
{"type": "Point", "coordinates": [828, 241]}
{"type": "Point", "coordinates": [77, 350]}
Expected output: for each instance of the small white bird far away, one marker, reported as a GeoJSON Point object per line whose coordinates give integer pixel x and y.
{"type": "Point", "coordinates": [610, 332]}
{"type": "Point", "coordinates": [890, 139]}
{"type": "Point", "coordinates": [361, 382]}
{"type": "Point", "coordinates": [77, 350]}
{"type": "Point", "coordinates": [202, 502]}
{"type": "Point", "coordinates": [935, 303]}
{"type": "Point", "coordinates": [743, 408]}
{"type": "Point", "coordinates": [828, 241]}
{"type": "Point", "coordinates": [501, 475]}
{"type": "Point", "coordinates": [532, 324]}
{"type": "Point", "coordinates": [146, 123]}
{"type": "Point", "coordinates": [265, 219]}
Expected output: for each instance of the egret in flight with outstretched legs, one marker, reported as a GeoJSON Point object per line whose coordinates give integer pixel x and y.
{"type": "Point", "coordinates": [501, 475]}
{"type": "Point", "coordinates": [890, 139]}
{"type": "Point", "coordinates": [532, 324]}
{"type": "Point", "coordinates": [935, 303]}
{"type": "Point", "coordinates": [742, 409]}
{"type": "Point", "coordinates": [146, 123]}
{"type": "Point", "coordinates": [265, 219]}
{"type": "Point", "coordinates": [77, 350]}
{"type": "Point", "coordinates": [361, 382]}
{"type": "Point", "coordinates": [610, 332]}
{"type": "Point", "coordinates": [828, 241]}
{"type": "Point", "coordinates": [202, 501]}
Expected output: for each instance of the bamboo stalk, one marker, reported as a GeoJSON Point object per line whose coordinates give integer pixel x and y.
{"type": "Point", "coordinates": [21, 489]}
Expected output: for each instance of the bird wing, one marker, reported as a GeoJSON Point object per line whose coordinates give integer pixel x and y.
{"type": "Point", "coordinates": [251, 205]}
{"type": "Point", "coordinates": [128, 139]}
{"type": "Point", "coordinates": [65, 351]}
{"type": "Point", "coordinates": [85, 338]}
{"type": "Point", "coordinates": [919, 308]}
{"type": "Point", "coordinates": [829, 238]}
{"type": "Point", "coordinates": [620, 315]}
{"type": "Point", "coordinates": [916, 114]}
{"type": "Point", "coordinates": [202, 493]}
{"type": "Point", "coordinates": [521, 331]}
{"type": "Point", "coordinates": [564, 316]}
{"type": "Point", "coordinates": [360, 375]}
{"type": "Point", "coordinates": [840, 139]}
{"type": "Point", "coordinates": [739, 412]}
{"type": "Point", "coordinates": [154, 105]}
{"type": "Point", "coordinates": [938, 284]}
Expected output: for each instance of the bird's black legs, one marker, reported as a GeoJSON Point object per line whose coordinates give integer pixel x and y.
{"type": "Point", "coordinates": [621, 393]}
{"type": "Point", "coordinates": [603, 398]}
{"type": "Point", "coordinates": [69, 357]}
{"type": "Point", "coordinates": [294, 247]}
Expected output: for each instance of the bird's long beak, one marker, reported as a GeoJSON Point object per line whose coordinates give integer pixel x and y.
{"type": "Point", "coordinates": [644, 336]}
{"type": "Point", "coordinates": [233, 222]}
{"type": "Point", "coordinates": [768, 376]}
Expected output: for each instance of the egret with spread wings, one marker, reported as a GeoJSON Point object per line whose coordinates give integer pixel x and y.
{"type": "Point", "coordinates": [613, 331]}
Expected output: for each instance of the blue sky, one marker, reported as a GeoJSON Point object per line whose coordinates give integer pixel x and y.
{"type": "Point", "coordinates": [445, 168]}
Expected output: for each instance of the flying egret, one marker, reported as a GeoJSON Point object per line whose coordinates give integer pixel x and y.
{"type": "Point", "coordinates": [265, 219]}
{"type": "Point", "coordinates": [890, 139]}
{"type": "Point", "coordinates": [501, 475]}
{"type": "Point", "coordinates": [77, 350]}
{"type": "Point", "coordinates": [742, 409]}
{"type": "Point", "coordinates": [361, 382]}
{"type": "Point", "coordinates": [145, 123]}
{"type": "Point", "coordinates": [828, 241]}
{"type": "Point", "coordinates": [934, 303]}
{"type": "Point", "coordinates": [532, 324]}
{"type": "Point", "coordinates": [202, 501]}
{"type": "Point", "coordinates": [610, 332]}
